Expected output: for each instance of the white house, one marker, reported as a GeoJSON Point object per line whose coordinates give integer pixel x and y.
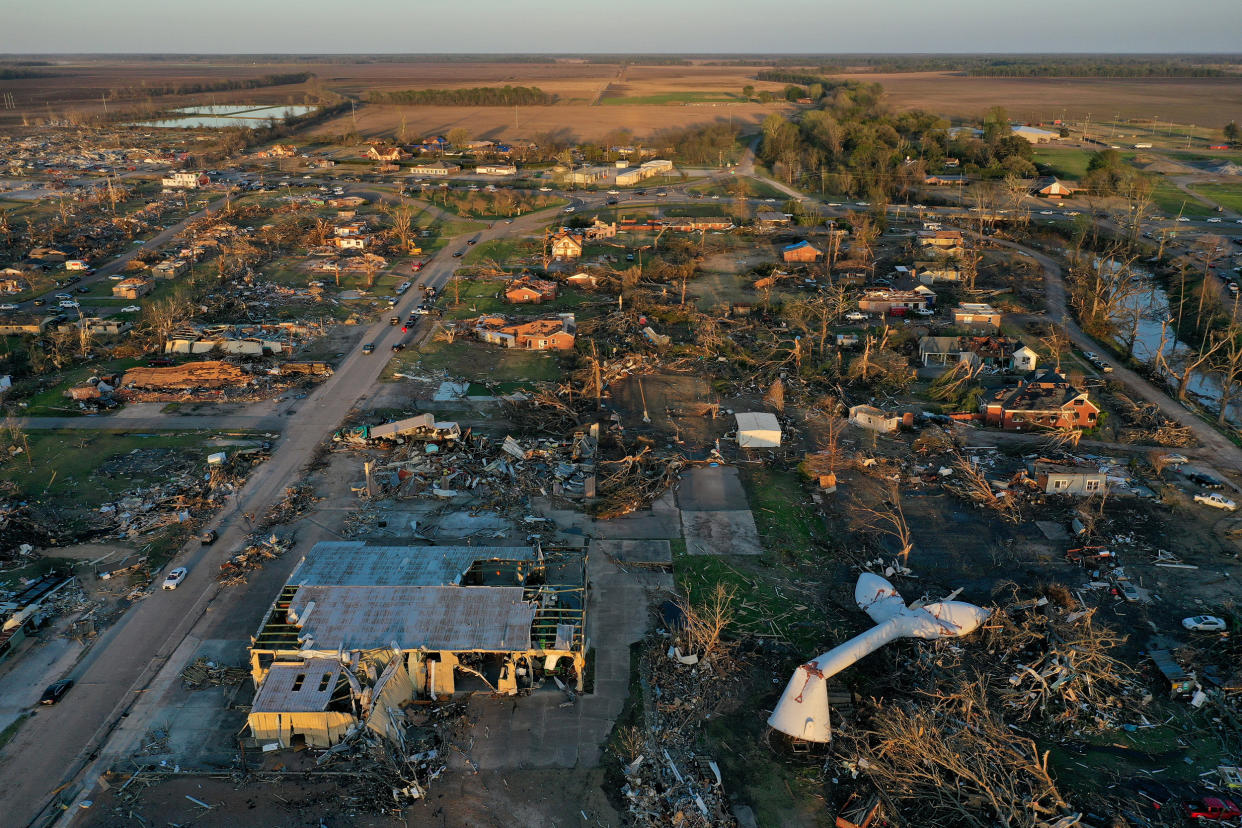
{"type": "Point", "coordinates": [496, 169]}
{"type": "Point", "coordinates": [873, 419]}
{"type": "Point", "coordinates": [185, 181]}
{"type": "Point", "coordinates": [1024, 359]}
{"type": "Point", "coordinates": [758, 429]}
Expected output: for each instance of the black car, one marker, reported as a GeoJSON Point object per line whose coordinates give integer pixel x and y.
{"type": "Point", "coordinates": [368, 348]}
{"type": "Point", "coordinates": [55, 691]}
{"type": "Point", "coordinates": [39, 302]}
{"type": "Point", "coordinates": [398, 346]}
{"type": "Point", "coordinates": [458, 253]}
{"type": "Point", "coordinates": [1204, 480]}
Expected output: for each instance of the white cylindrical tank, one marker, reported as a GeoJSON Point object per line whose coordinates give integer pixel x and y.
{"type": "Point", "coordinates": [803, 711]}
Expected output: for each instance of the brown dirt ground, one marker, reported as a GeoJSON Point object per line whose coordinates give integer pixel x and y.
{"type": "Point", "coordinates": [1183, 100]}
{"type": "Point", "coordinates": [571, 121]}
{"type": "Point", "coordinates": [491, 800]}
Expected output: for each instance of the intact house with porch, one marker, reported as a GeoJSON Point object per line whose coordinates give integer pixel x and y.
{"type": "Point", "coordinates": [565, 246]}
{"type": "Point", "coordinates": [1042, 400]}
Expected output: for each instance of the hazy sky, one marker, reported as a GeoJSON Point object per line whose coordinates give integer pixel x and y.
{"type": "Point", "coordinates": [417, 26]}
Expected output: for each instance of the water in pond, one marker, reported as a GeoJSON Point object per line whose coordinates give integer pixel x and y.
{"type": "Point", "coordinates": [227, 115]}
{"type": "Point", "coordinates": [1153, 305]}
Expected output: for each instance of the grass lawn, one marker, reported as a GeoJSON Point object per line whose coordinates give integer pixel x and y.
{"type": "Point", "coordinates": [1173, 202]}
{"type": "Point", "coordinates": [60, 464]}
{"type": "Point", "coordinates": [52, 402]}
{"type": "Point", "coordinates": [786, 525]}
{"type": "Point", "coordinates": [1063, 162]}
{"type": "Point", "coordinates": [1228, 196]}
{"type": "Point", "coordinates": [678, 97]}
{"type": "Point", "coordinates": [502, 251]}
{"type": "Point", "coordinates": [476, 362]}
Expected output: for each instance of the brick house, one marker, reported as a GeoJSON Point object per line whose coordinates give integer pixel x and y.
{"type": "Point", "coordinates": [802, 251]}
{"type": "Point", "coordinates": [554, 333]}
{"type": "Point", "coordinates": [526, 290]}
{"type": "Point", "coordinates": [1044, 400]}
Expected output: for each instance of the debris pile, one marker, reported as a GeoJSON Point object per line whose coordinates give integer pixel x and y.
{"type": "Point", "coordinates": [201, 673]}
{"type": "Point", "coordinates": [389, 775]}
{"type": "Point", "coordinates": [210, 374]}
{"type": "Point", "coordinates": [1146, 424]}
{"type": "Point", "coordinates": [298, 500]}
{"type": "Point", "coordinates": [257, 552]}
{"type": "Point", "coordinates": [184, 495]}
{"type": "Point", "coordinates": [690, 675]}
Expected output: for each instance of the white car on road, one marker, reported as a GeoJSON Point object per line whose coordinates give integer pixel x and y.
{"type": "Point", "coordinates": [131, 309]}
{"type": "Point", "coordinates": [1216, 501]}
{"type": "Point", "coordinates": [8, 306]}
{"type": "Point", "coordinates": [856, 316]}
{"type": "Point", "coordinates": [175, 577]}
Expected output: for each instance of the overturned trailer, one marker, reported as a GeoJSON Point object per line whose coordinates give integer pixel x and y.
{"type": "Point", "coordinates": [418, 427]}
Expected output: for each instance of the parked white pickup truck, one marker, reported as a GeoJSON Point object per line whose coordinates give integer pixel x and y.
{"type": "Point", "coordinates": [1216, 500]}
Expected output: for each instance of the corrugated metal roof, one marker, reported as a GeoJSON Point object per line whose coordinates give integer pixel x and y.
{"type": "Point", "coordinates": [353, 563]}
{"type": "Point", "coordinates": [314, 679]}
{"type": "Point", "coordinates": [434, 617]}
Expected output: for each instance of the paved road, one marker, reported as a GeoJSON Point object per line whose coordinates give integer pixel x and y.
{"type": "Point", "coordinates": [66, 746]}
{"type": "Point", "coordinates": [118, 264]}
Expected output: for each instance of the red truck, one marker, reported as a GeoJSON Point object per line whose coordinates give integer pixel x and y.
{"type": "Point", "coordinates": [1212, 808]}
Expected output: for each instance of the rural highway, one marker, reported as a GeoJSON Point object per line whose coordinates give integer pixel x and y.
{"type": "Point", "coordinates": [65, 747]}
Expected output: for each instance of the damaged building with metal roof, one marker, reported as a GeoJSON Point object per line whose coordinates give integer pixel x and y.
{"type": "Point", "coordinates": [359, 631]}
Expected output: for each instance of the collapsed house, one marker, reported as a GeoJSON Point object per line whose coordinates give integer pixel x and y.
{"type": "Point", "coordinates": [358, 631]}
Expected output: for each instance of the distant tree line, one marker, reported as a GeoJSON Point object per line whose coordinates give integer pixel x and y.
{"type": "Point", "coordinates": [793, 77]}
{"type": "Point", "coordinates": [1092, 68]}
{"type": "Point", "coordinates": [196, 88]}
{"type": "Point", "coordinates": [9, 73]}
{"type": "Point", "coordinates": [475, 96]}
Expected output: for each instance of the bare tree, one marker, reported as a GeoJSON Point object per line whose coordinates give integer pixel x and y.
{"type": "Point", "coordinates": [887, 518]}
{"type": "Point", "coordinates": [1226, 364]}
{"type": "Point", "coordinates": [705, 621]}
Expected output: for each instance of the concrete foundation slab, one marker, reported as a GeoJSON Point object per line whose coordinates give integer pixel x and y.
{"type": "Point", "coordinates": [720, 532]}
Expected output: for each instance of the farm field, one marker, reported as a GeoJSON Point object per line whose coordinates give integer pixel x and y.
{"type": "Point", "coordinates": [571, 122]}
{"type": "Point", "coordinates": [1183, 100]}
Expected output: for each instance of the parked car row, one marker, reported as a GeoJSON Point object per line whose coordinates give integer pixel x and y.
{"type": "Point", "coordinates": [1098, 361]}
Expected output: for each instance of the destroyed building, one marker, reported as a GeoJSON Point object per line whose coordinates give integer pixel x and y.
{"type": "Point", "coordinates": [359, 630]}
